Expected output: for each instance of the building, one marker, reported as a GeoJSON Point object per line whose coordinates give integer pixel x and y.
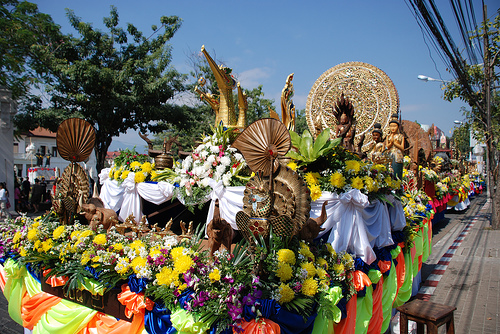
{"type": "Point", "coordinates": [36, 155]}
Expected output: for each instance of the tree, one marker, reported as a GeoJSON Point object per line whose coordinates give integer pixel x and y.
{"type": "Point", "coordinates": [484, 112]}
{"type": "Point", "coordinates": [117, 80]}
{"type": "Point", "coordinates": [22, 27]}
{"type": "Point", "coordinates": [461, 138]}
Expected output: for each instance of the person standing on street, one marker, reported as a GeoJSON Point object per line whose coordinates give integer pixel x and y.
{"type": "Point", "coordinates": [4, 198]}
{"type": "Point", "coordinates": [36, 195]}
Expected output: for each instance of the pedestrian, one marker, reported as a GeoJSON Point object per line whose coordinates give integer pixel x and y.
{"type": "Point", "coordinates": [4, 201]}
{"type": "Point", "coordinates": [36, 195]}
{"type": "Point", "coordinates": [44, 188]}
{"type": "Point", "coordinates": [17, 196]}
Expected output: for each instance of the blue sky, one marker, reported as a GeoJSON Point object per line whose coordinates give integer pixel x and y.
{"type": "Point", "coordinates": [264, 41]}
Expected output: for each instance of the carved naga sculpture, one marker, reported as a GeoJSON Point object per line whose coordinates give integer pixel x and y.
{"type": "Point", "coordinates": [223, 105]}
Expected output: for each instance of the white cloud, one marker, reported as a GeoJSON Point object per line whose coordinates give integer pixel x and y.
{"type": "Point", "coordinates": [253, 78]}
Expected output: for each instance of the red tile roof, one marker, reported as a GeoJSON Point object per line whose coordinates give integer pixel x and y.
{"type": "Point", "coordinates": [41, 132]}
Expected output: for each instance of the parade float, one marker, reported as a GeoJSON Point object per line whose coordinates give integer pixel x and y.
{"type": "Point", "coordinates": [330, 243]}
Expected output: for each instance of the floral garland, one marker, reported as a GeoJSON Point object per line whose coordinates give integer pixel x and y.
{"type": "Point", "coordinates": [130, 161]}
{"type": "Point", "coordinates": [429, 174]}
{"type": "Point", "coordinates": [341, 171]}
{"type": "Point", "coordinates": [217, 290]}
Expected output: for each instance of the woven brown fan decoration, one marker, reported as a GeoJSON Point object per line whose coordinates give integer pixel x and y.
{"type": "Point", "coordinates": [74, 182]}
{"type": "Point", "coordinates": [75, 139]}
{"type": "Point", "coordinates": [261, 142]}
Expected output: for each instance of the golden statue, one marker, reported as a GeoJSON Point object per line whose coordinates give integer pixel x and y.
{"type": "Point", "coordinates": [223, 104]}
{"type": "Point", "coordinates": [287, 106]}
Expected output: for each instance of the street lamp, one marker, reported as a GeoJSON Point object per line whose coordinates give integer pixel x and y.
{"type": "Point", "coordinates": [426, 78]}
{"type": "Point", "coordinates": [458, 122]}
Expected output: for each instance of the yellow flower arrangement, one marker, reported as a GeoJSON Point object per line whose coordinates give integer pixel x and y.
{"type": "Point", "coordinates": [125, 174]}
{"type": "Point", "coordinates": [315, 191]}
{"type": "Point", "coordinates": [176, 252]}
{"type": "Point", "coordinates": [139, 177]}
{"type": "Point", "coordinates": [214, 276]}
{"type": "Point", "coordinates": [322, 263]}
{"type": "Point", "coordinates": [309, 287]}
{"type": "Point", "coordinates": [32, 234]}
{"type": "Point", "coordinates": [338, 268]}
{"type": "Point", "coordinates": [47, 245]}
{"type": "Point", "coordinates": [309, 267]}
{"type": "Point", "coordinates": [100, 239]}
{"type": "Point", "coordinates": [135, 165]}
{"type": "Point", "coordinates": [357, 183]}
{"type": "Point", "coordinates": [167, 276]}
{"type": "Point", "coordinates": [58, 232]}
{"type": "Point", "coordinates": [147, 167]}
{"type": "Point", "coordinates": [292, 165]}
{"type": "Point", "coordinates": [337, 180]}
{"type": "Point", "coordinates": [353, 166]}
{"type": "Point", "coordinates": [286, 294]}
{"type": "Point", "coordinates": [312, 178]}
{"type": "Point", "coordinates": [284, 272]}
{"type": "Point", "coordinates": [183, 263]}
{"type": "Point", "coordinates": [286, 256]}
{"type": "Point", "coordinates": [138, 264]}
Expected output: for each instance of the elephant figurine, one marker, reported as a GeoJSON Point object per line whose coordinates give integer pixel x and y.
{"type": "Point", "coordinates": [99, 216]}
{"type": "Point", "coordinates": [219, 232]}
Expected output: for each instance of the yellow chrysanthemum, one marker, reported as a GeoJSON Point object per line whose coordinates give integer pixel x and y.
{"type": "Point", "coordinates": [139, 177]}
{"type": "Point", "coordinates": [22, 251]}
{"type": "Point", "coordinates": [304, 250]}
{"type": "Point", "coordinates": [85, 234]}
{"type": "Point", "coordinates": [138, 264]}
{"type": "Point", "coordinates": [135, 165]}
{"type": "Point", "coordinates": [337, 180]}
{"type": "Point", "coordinates": [312, 178]}
{"type": "Point", "coordinates": [284, 272]}
{"type": "Point", "coordinates": [370, 184]}
{"type": "Point", "coordinates": [167, 276]}
{"type": "Point", "coordinates": [85, 259]}
{"type": "Point", "coordinates": [388, 181]}
{"type": "Point", "coordinates": [353, 166]}
{"type": "Point", "coordinates": [286, 294]}
{"type": "Point", "coordinates": [116, 174]}
{"type": "Point", "coordinates": [321, 273]}
{"type": "Point", "coordinates": [309, 267]}
{"type": "Point", "coordinates": [322, 263]}
{"type": "Point", "coordinates": [154, 174]}
{"type": "Point", "coordinates": [117, 247]}
{"type": "Point", "coordinates": [292, 165]}
{"type": "Point", "coordinates": [155, 251]}
{"type": "Point", "coordinates": [136, 245]}
{"type": "Point", "coordinates": [379, 167]}
{"type": "Point", "coordinates": [183, 263]}
{"type": "Point", "coordinates": [32, 234]}
{"type": "Point", "coordinates": [309, 287]}
{"type": "Point", "coordinates": [147, 167]}
{"type": "Point", "coordinates": [37, 246]}
{"type": "Point", "coordinates": [330, 249]}
{"type": "Point", "coordinates": [75, 234]}
{"type": "Point", "coordinates": [111, 173]}
{"type": "Point", "coordinates": [315, 192]}
{"type": "Point", "coordinates": [47, 245]}
{"type": "Point", "coordinates": [286, 256]}
{"type": "Point", "coordinates": [58, 232]}
{"type": "Point", "coordinates": [125, 174]}
{"type": "Point", "coordinates": [214, 275]}
{"type": "Point", "coordinates": [17, 237]}
{"type": "Point", "coordinates": [176, 252]}
{"type": "Point", "coordinates": [357, 183]}
{"type": "Point", "coordinates": [122, 266]}
{"type": "Point", "coordinates": [100, 239]}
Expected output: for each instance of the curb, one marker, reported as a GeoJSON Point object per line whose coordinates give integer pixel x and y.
{"type": "Point", "coordinates": [429, 286]}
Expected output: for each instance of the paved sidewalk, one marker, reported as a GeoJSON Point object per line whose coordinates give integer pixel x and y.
{"type": "Point", "coordinates": [466, 272]}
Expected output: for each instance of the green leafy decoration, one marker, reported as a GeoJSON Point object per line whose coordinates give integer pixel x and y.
{"type": "Point", "coordinates": [308, 150]}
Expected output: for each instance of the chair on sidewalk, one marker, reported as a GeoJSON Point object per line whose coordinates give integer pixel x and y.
{"type": "Point", "coordinates": [424, 312]}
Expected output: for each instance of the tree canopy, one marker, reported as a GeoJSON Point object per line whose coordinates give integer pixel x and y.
{"type": "Point", "coordinates": [117, 80]}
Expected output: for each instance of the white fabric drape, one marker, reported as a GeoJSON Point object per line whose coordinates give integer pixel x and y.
{"type": "Point", "coordinates": [396, 213]}
{"type": "Point", "coordinates": [126, 197]}
{"type": "Point", "coordinates": [230, 202]}
{"type": "Point", "coordinates": [378, 224]}
{"type": "Point", "coordinates": [348, 231]}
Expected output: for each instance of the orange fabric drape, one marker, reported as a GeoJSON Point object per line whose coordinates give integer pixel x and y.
{"type": "Point", "coordinates": [360, 280]}
{"type": "Point", "coordinates": [33, 308]}
{"type": "Point", "coordinates": [348, 324]}
{"type": "Point", "coordinates": [263, 326]}
{"type": "Point", "coordinates": [400, 269]}
{"type": "Point", "coordinates": [377, 319]}
{"type": "Point", "coordinates": [104, 324]}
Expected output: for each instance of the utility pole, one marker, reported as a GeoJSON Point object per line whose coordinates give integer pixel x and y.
{"type": "Point", "coordinates": [489, 142]}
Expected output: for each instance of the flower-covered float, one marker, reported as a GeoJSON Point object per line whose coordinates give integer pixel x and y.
{"type": "Point", "coordinates": [330, 245]}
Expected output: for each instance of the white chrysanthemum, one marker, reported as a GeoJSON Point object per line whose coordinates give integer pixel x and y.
{"type": "Point", "coordinates": [205, 182]}
{"type": "Point", "coordinates": [226, 179]}
{"type": "Point", "coordinates": [186, 163]}
{"type": "Point", "coordinates": [169, 242]}
{"type": "Point", "coordinates": [211, 159]}
{"type": "Point", "coordinates": [214, 149]}
{"type": "Point", "coordinates": [225, 160]}
{"type": "Point", "coordinates": [220, 169]}
{"type": "Point", "coordinates": [200, 148]}
{"type": "Point", "coordinates": [204, 154]}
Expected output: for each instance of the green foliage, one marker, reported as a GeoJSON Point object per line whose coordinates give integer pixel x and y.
{"type": "Point", "coordinates": [308, 150]}
{"type": "Point", "coordinates": [117, 80]}
{"type": "Point", "coordinates": [461, 138]}
{"type": "Point", "coordinates": [23, 30]}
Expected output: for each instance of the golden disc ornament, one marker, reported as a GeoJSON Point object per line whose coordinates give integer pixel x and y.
{"type": "Point", "coordinates": [368, 88]}
{"type": "Point", "coordinates": [75, 139]}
